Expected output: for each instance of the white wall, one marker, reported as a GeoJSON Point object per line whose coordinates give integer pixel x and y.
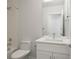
{"type": "Point", "coordinates": [29, 21]}
{"type": "Point", "coordinates": [11, 24]}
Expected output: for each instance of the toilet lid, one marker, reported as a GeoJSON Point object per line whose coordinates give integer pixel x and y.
{"type": "Point", "coordinates": [19, 53]}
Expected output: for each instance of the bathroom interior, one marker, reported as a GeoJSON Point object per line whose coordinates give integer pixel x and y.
{"type": "Point", "coordinates": [38, 29]}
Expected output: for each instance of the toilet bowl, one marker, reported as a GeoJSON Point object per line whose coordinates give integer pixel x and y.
{"type": "Point", "coordinates": [22, 53]}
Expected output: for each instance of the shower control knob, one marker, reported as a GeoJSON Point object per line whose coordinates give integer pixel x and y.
{"type": "Point", "coordinates": [10, 39]}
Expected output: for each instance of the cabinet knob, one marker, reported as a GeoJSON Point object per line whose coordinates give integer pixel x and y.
{"type": "Point", "coordinates": [10, 39]}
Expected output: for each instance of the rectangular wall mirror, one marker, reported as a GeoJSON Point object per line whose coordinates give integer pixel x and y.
{"type": "Point", "coordinates": [56, 17]}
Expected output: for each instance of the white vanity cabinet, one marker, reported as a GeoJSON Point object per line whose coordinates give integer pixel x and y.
{"type": "Point", "coordinates": [41, 54]}
{"type": "Point", "coordinates": [52, 51]}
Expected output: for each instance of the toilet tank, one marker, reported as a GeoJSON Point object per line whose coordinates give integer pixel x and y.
{"type": "Point", "coordinates": [25, 45]}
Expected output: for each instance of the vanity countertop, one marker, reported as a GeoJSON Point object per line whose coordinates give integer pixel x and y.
{"type": "Point", "coordinates": [59, 40]}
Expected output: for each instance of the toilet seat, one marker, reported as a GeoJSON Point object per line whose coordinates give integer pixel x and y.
{"type": "Point", "coordinates": [20, 53]}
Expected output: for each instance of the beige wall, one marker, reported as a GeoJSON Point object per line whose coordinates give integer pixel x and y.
{"type": "Point", "coordinates": [11, 23]}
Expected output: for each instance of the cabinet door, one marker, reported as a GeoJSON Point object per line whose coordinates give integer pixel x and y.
{"type": "Point", "coordinates": [60, 56]}
{"type": "Point", "coordinates": [44, 55]}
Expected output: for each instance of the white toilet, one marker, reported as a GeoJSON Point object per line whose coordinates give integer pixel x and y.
{"type": "Point", "coordinates": [22, 53]}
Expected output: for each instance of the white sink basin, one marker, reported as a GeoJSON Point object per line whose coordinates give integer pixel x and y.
{"type": "Point", "coordinates": [58, 40]}
{"type": "Point", "coordinates": [54, 40]}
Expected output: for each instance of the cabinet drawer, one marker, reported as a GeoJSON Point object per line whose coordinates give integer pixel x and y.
{"type": "Point", "coordinates": [60, 56]}
{"type": "Point", "coordinates": [54, 48]}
